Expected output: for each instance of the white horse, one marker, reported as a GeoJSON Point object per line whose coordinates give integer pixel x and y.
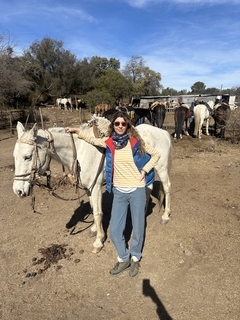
{"type": "Point", "coordinates": [65, 102]}
{"type": "Point", "coordinates": [201, 114]}
{"type": "Point", "coordinates": [35, 148]}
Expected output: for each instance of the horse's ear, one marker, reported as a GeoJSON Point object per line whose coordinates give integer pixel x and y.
{"type": "Point", "coordinates": [34, 131]}
{"type": "Point", "coordinates": [20, 129]}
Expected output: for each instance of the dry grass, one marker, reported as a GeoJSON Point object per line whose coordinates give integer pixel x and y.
{"type": "Point", "coordinates": [233, 125]}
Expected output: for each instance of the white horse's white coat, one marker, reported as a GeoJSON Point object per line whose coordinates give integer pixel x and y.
{"type": "Point", "coordinates": [201, 114]}
{"type": "Point", "coordinates": [34, 144]}
{"type": "Point", "coordinates": [64, 101]}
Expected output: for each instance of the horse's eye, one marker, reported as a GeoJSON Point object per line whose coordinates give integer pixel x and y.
{"type": "Point", "coordinates": [28, 158]}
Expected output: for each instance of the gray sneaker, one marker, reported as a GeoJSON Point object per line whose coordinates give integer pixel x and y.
{"type": "Point", "coordinates": [119, 267]}
{"type": "Point", "coordinates": [134, 268]}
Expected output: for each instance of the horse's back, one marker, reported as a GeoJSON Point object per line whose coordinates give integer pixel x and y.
{"type": "Point", "coordinates": [201, 110]}
{"type": "Point", "coordinates": [157, 138]}
{"type": "Point", "coordinates": [160, 140]}
{"type": "Point", "coordinates": [108, 114]}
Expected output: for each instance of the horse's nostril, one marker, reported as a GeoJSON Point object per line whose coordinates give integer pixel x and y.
{"type": "Point", "coordinates": [21, 193]}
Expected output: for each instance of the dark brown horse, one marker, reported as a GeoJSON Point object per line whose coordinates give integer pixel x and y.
{"type": "Point", "coordinates": [158, 110]}
{"type": "Point", "coordinates": [137, 115]}
{"type": "Point", "coordinates": [109, 113]}
{"type": "Point", "coordinates": [221, 115]}
{"type": "Point", "coordinates": [181, 116]}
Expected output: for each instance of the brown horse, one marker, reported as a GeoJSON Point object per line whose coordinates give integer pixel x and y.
{"type": "Point", "coordinates": [221, 115]}
{"type": "Point", "coordinates": [181, 116]}
{"type": "Point", "coordinates": [100, 109]}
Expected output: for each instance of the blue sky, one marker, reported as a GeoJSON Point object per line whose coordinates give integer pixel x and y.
{"type": "Point", "coordinates": [185, 40]}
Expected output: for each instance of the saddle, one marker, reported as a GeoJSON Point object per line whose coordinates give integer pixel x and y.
{"type": "Point", "coordinates": [156, 103]}
{"type": "Point", "coordinates": [183, 105]}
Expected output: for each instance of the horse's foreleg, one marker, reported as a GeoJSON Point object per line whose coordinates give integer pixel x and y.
{"type": "Point", "coordinates": [148, 193]}
{"type": "Point", "coordinates": [97, 227]}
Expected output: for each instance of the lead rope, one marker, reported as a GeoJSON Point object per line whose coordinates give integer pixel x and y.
{"type": "Point", "coordinates": [74, 175]}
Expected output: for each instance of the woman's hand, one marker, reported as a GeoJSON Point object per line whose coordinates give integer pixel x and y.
{"type": "Point", "coordinates": [143, 173]}
{"type": "Point", "coordinates": [70, 130]}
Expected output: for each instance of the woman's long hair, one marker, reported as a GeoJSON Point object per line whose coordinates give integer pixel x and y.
{"type": "Point", "coordinates": [132, 132]}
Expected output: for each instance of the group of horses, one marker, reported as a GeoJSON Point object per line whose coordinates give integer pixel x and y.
{"type": "Point", "coordinates": [187, 119]}
{"type": "Point", "coordinates": [190, 119]}
{"type": "Point", "coordinates": [70, 104]}
{"type": "Point", "coordinates": [137, 115]}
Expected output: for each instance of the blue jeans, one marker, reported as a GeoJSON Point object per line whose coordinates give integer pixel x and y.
{"type": "Point", "coordinates": [137, 202]}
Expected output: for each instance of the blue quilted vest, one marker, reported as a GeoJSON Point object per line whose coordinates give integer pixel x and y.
{"type": "Point", "coordinates": [139, 159]}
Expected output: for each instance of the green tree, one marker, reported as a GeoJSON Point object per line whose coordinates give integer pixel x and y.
{"type": "Point", "coordinates": [198, 87]}
{"type": "Point", "coordinates": [145, 81]}
{"type": "Point", "coordinates": [114, 83]}
{"type": "Point", "coordinates": [236, 91]}
{"type": "Point", "coordinates": [133, 70]}
{"type": "Point", "coordinates": [85, 79]}
{"type": "Point", "coordinates": [102, 65]}
{"type": "Point", "coordinates": [211, 91]}
{"type": "Point", "coordinates": [182, 92]}
{"type": "Point", "coordinates": [95, 97]}
{"type": "Point", "coordinates": [169, 92]}
{"type": "Point", "coordinates": [51, 68]}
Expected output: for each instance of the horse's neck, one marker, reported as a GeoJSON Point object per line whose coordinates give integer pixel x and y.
{"type": "Point", "coordinates": [62, 148]}
{"type": "Point", "coordinates": [211, 104]}
{"type": "Point", "coordinates": [65, 147]}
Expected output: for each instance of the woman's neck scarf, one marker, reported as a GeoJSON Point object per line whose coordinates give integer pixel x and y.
{"type": "Point", "coordinates": [119, 142]}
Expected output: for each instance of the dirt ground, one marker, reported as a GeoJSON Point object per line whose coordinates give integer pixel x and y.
{"type": "Point", "coordinates": [190, 267]}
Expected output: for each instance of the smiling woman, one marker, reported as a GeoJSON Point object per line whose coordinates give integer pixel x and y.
{"type": "Point", "coordinates": [129, 170]}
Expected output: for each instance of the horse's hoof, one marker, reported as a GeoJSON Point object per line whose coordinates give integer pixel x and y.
{"type": "Point", "coordinates": [92, 233]}
{"type": "Point", "coordinates": [164, 221]}
{"type": "Point", "coordinates": [96, 250]}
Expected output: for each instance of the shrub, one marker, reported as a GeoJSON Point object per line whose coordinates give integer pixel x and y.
{"type": "Point", "coordinates": [233, 125]}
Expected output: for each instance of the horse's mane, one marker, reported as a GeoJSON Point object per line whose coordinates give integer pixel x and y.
{"type": "Point", "coordinates": [102, 125]}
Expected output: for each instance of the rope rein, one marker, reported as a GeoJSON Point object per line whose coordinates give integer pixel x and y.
{"type": "Point", "coordinates": [74, 176]}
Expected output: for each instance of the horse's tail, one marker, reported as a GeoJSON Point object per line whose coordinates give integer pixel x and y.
{"type": "Point", "coordinates": [179, 122]}
{"type": "Point", "coordinates": [159, 113]}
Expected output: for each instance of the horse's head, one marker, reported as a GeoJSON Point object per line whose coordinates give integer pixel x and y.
{"type": "Point", "coordinates": [31, 156]}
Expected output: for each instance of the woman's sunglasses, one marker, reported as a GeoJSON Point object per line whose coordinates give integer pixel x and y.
{"type": "Point", "coordinates": [117, 124]}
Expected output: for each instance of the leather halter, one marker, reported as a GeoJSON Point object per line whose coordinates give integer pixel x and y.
{"type": "Point", "coordinates": [34, 170]}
